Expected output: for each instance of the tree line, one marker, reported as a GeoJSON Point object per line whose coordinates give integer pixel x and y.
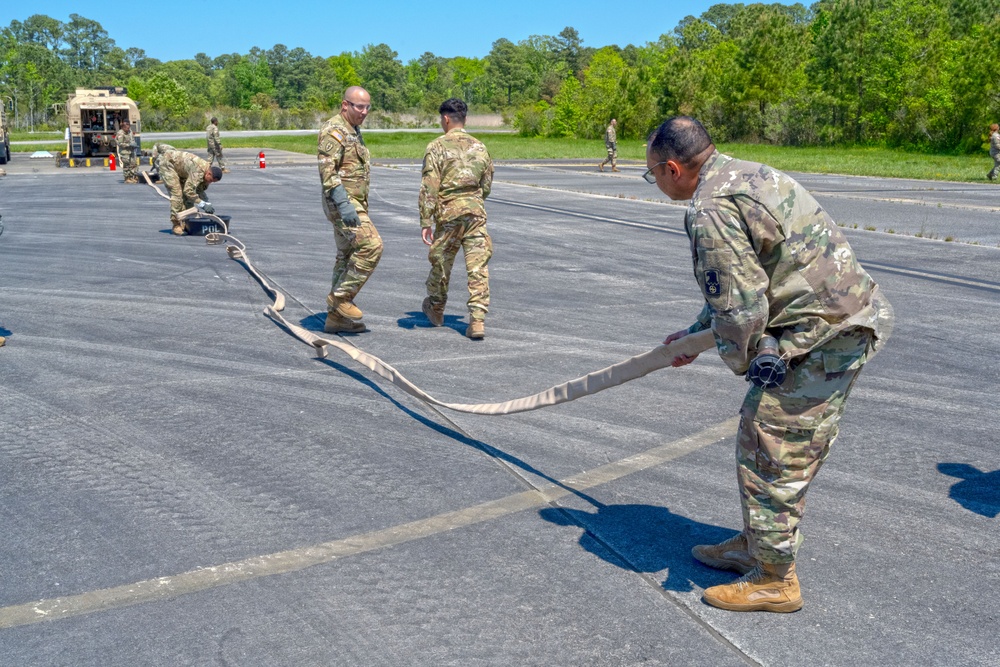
{"type": "Point", "coordinates": [919, 74]}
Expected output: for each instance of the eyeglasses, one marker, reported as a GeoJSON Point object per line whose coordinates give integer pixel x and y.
{"type": "Point", "coordinates": [649, 176]}
{"type": "Point", "coordinates": [359, 107]}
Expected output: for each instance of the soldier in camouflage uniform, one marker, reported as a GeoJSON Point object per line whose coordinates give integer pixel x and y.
{"type": "Point", "coordinates": [125, 141]}
{"type": "Point", "coordinates": [994, 151]}
{"type": "Point", "coordinates": [457, 176]}
{"type": "Point", "coordinates": [187, 177]}
{"type": "Point", "coordinates": [611, 143]}
{"type": "Point", "coordinates": [215, 144]}
{"type": "Point", "coordinates": [345, 172]}
{"type": "Point", "coordinates": [770, 261]}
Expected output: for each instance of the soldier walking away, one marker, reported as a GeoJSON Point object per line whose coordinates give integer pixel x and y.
{"type": "Point", "coordinates": [456, 179]}
{"type": "Point", "coordinates": [994, 151]}
{"type": "Point", "coordinates": [345, 174]}
{"type": "Point", "coordinates": [125, 141]}
{"type": "Point", "coordinates": [611, 143]}
{"type": "Point", "coordinates": [215, 144]}
{"type": "Point", "coordinates": [770, 262]}
{"type": "Point", "coordinates": [187, 177]}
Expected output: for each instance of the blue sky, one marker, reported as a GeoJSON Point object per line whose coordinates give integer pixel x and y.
{"type": "Point", "coordinates": [179, 29]}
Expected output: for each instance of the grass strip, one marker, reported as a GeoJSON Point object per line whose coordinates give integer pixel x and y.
{"type": "Point", "coordinates": [856, 161]}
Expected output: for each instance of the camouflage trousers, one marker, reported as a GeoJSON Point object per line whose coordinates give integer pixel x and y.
{"type": "Point", "coordinates": [467, 232]}
{"type": "Point", "coordinates": [612, 156]}
{"type": "Point", "coordinates": [995, 172]}
{"type": "Point", "coordinates": [129, 166]}
{"type": "Point", "coordinates": [175, 187]}
{"type": "Point", "coordinates": [785, 435]}
{"type": "Point", "coordinates": [215, 154]}
{"type": "Point", "coordinates": [359, 250]}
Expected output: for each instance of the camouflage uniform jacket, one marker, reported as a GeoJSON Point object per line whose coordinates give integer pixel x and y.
{"type": "Point", "coordinates": [610, 136]}
{"type": "Point", "coordinates": [344, 159]}
{"type": "Point", "coordinates": [769, 258]}
{"type": "Point", "coordinates": [212, 137]}
{"type": "Point", "coordinates": [457, 177]}
{"type": "Point", "coordinates": [125, 141]}
{"type": "Point", "coordinates": [995, 145]}
{"type": "Point", "coordinates": [191, 170]}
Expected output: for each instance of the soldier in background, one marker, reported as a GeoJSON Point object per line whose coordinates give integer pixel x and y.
{"type": "Point", "coordinates": [345, 173]}
{"type": "Point", "coordinates": [187, 177]}
{"type": "Point", "coordinates": [994, 151]}
{"type": "Point", "coordinates": [611, 143]}
{"type": "Point", "coordinates": [769, 261]}
{"type": "Point", "coordinates": [215, 144]}
{"type": "Point", "coordinates": [456, 179]}
{"type": "Point", "coordinates": [125, 141]}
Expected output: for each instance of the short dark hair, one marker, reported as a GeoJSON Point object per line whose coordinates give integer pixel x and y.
{"type": "Point", "coordinates": [216, 173]}
{"type": "Point", "coordinates": [455, 109]}
{"type": "Point", "coordinates": [214, 120]}
{"type": "Point", "coordinates": [680, 138]}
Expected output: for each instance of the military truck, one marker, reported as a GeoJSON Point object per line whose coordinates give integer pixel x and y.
{"type": "Point", "coordinates": [94, 116]}
{"type": "Point", "coordinates": [4, 136]}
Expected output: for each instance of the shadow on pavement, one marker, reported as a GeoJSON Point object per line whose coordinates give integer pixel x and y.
{"type": "Point", "coordinates": [416, 319]}
{"type": "Point", "coordinates": [458, 436]}
{"type": "Point", "coordinates": [638, 538]}
{"type": "Point", "coordinates": [978, 491]}
{"type": "Point", "coordinates": [647, 539]}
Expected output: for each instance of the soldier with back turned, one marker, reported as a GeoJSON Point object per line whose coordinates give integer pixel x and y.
{"type": "Point", "coordinates": [456, 179]}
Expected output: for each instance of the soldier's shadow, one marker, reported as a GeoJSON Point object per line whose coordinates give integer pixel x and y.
{"type": "Point", "coordinates": [647, 539]}
{"type": "Point", "coordinates": [417, 320]}
{"type": "Point", "coordinates": [978, 491]}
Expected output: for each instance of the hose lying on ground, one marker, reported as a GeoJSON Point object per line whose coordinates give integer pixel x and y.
{"type": "Point", "coordinates": [612, 376]}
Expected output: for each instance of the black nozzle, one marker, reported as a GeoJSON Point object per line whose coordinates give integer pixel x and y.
{"type": "Point", "coordinates": [768, 369]}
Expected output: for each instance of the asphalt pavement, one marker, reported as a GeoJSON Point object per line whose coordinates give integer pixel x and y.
{"type": "Point", "coordinates": [184, 483]}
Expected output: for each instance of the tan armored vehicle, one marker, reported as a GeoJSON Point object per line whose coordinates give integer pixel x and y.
{"type": "Point", "coordinates": [94, 116]}
{"type": "Point", "coordinates": [4, 137]}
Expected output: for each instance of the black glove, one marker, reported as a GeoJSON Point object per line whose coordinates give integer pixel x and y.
{"type": "Point", "coordinates": [345, 208]}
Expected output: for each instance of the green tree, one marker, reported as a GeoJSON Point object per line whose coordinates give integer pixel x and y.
{"type": "Point", "coordinates": [86, 43]}
{"type": "Point", "coordinates": [508, 71]}
{"type": "Point", "coordinates": [382, 76]}
{"type": "Point", "coordinates": [245, 80]}
{"type": "Point", "coordinates": [567, 112]}
{"type": "Point", "coordinates": [603, 94]}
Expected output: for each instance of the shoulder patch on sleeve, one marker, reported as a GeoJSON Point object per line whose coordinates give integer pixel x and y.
{"type": "Point", "coordinates": [336, 134]}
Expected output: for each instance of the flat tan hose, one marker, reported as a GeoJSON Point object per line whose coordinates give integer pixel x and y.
{"type": "Point", "coordinates": [149, 182]}
{"type": "Point", "coordinates": [612, 376]}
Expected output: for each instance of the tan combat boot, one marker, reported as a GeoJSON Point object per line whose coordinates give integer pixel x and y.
{"type": "Point", "coordinates": [178, 229]}
{"type": "Point", "coordinates": [733, 554]}
{"type": "Point", "coordinates": [601, 166]}
{"type": "Point", "coordinates": [615, 169]}
{"type": "Point", "coordinates": [344, 307]}
{"type": "Point", "coordinates": [337, 324]}
{"type": "Point", "coordinates": [434, 313]}
{"type": "Point", "coordinates": [476, 330]}
{"type": "Point", "coordinates": [767, 587]}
